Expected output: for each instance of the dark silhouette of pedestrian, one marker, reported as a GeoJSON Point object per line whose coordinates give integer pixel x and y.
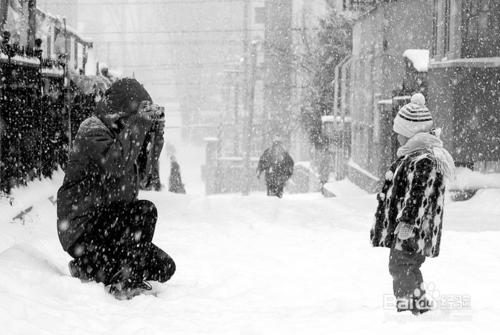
{"type": "Point", "coordinates": [278, 167]}
{"type": "Point", "coordinates": [175, 184]}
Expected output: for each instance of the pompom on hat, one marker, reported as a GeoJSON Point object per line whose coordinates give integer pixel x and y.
{"type": "Point", "coordinates": [418, 98]}
{"type": "Point", "coordinates": [413, 118]}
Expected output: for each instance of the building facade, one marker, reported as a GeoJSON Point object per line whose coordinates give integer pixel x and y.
{"type": "Point", "coordinates": [463, 80]}
{"type": "Point", "coordinates": [376, 73]}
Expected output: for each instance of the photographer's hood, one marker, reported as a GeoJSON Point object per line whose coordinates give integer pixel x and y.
{"type": "Point", "coordinates": [124, 91]}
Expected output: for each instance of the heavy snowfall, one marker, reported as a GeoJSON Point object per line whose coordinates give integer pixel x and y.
{"type": "Point", "coordinates": [252, 265]}
{"type": "Point", "coordinates": [249, 167]}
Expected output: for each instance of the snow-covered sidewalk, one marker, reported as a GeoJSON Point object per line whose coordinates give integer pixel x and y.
{"type": "Point", "coordinates": [252, 265]}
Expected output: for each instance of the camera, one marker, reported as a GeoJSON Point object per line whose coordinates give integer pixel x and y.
{"type": "Point", "coordinates": [158, 117]}
{"type": "Point", "coordinates": [158, 113]}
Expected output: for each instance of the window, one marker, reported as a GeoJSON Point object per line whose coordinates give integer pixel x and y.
{"type": "Point", "coordinates": [434, 29]}
{"type": "Point", "coordinates": [260, 15]}
{"type": "Point", "coordinates": [75, 55]}
{"type": "Point", "coordinates": [3, 13]}
{"type": "Point", "coordinates": [480, 28]}
{"type": "Point", "coordinates": [446, 26]}
{"type": "Point", "coordinates": [359, 4]}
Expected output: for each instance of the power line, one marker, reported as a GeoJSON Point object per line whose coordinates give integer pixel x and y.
{"type": "Point", "coordinates": [193, 31]}
{"type": "Point", "coordinates": [181, 31]}
{"type": "Point", "coordinates": [166, 68]}
{"type": "Point", "coordinates": [166, 42]}
{"type": "Point", "coordinates": [140, 3]}
{"type": "Point", "coordinates": [181, 66]}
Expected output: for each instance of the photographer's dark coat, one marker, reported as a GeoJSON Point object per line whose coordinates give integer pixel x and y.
{"type": "Point", "coordinates": [101, 170]}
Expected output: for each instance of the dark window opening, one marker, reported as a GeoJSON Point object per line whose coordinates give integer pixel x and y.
{"type": "Point", "coordinates": [480, 28]}
{"type": "Point", "coordinates": [260, 15]}
{"type": "Point", "coordinates": [447, 26]}
{"type": "Point", "coordinates": [359, 5]}
{"type": "Point", "coordinates": [434, 29]}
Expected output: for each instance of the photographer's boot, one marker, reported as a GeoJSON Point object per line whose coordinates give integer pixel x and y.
{"type": "Point", "coordinates": [79, 272]}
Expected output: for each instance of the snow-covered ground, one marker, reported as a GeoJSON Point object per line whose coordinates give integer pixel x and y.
{"type": "Point", "coordinates": [252, 265]}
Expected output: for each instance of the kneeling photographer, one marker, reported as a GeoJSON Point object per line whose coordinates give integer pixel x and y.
{"type": "Point", "coordinates": [101, 223]}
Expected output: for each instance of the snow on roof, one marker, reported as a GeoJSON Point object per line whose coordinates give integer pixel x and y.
{"type": "Point", "coordinates": [25, 60]}
{"type": "Point", "coordinates": [79, 36]}
{"type": "Point", "coordinates": [333, 118]}
{"type": "Point", "coordinates": [419, 58]}
{"type": "Point", "coordinates": [58, 19]}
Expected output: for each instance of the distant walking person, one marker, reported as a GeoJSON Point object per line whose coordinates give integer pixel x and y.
{"type": "Point", "coordinates": [409, 215]}
{"type": "Point", "coordinates": [175, 184]}
{"type": "Point", "coordinates": [278, 167]}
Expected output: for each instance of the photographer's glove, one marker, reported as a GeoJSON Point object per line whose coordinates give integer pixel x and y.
{"type": "Point", "coordinates": [404, 231]}
{"type": "Point", "coordinates": [147, 114]}
{"type": "Point", "coordinates": [159, 127]}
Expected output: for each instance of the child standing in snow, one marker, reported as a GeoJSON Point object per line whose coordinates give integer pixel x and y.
{"type": "Point", "coordinates": [409, 215]}
{"type": "Point", "coordinates": [101, 223]}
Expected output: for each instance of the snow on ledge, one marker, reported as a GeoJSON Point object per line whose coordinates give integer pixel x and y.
{"type": "Point", "coordinates": [419, 58]}
{"type": "Point", "coordinates": [332, 118]}
{"type": "Point", "coordinates": [327, 118]}
{"type": "Point", "coordinates": [385, 102]}
{"type": "Point", "coordinates": [26, 60]}
{"type": "Point", "coordinates": [486, 62]}
{"type": "Point", "coordinates": [355, 166]}
{"type": "Point", "coordinates": [21, 59]}
{"type": "Point", "coordinates": [345, 188]}
{"type": "Point", "coordinates": [53, 71]}
{"type": "Point", "coordinates": [467, 179]}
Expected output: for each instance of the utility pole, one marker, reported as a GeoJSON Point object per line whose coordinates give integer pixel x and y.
{"type": "Point", "coordinates": [249, 125]}
{"type": "Point", "coordinates": [245, 89]}
{"type": "Point", "coordinates": [246, 42]}
{"type": "Point", "coordinates": [236, 115]}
